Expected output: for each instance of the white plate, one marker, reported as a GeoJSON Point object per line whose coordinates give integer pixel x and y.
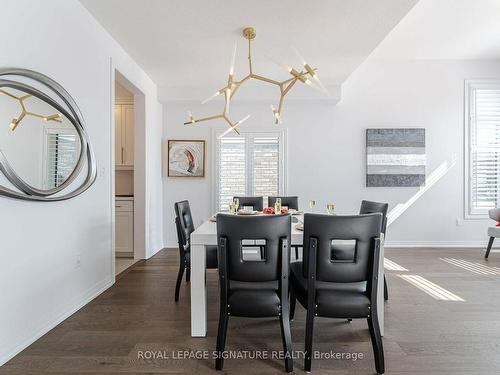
{"type": "Point", "coordinates": [244, 212]}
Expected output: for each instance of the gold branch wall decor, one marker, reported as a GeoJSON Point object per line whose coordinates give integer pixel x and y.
{"type": "Point", "coordinates": [24, 112]}
{"type": "Point", "coordinates": [307, 75]}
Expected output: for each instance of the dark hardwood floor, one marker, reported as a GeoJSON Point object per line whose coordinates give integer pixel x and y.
{"type": "Point", "coordinates": [423, 335]}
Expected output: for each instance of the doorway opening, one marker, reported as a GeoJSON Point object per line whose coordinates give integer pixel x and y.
{"type": "Point", "coordinates": [128, 187]}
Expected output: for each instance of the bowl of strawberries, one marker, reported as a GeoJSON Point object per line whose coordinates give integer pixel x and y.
{"type": "Point", "coordinates": [268, 211]}
{"type": "Point", "coordinates": [272, 211]}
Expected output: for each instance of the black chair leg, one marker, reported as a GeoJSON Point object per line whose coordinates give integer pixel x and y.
{"type": "Point", "coordinates": [386, 292]}
{"type": "Point", "coordinates": [378, 349]}
{"type": "Point", "coordinates": [287, 338]}
{"type": "Point", "coordinates": [490, 244]}
{"type": "Point", "coordinates": [309, 340]}
{"type": "Point", "coordinates": [261, 252]}
{"type": "Point", "coordinates": [296, 253]}
{"type": "Point", "coordinates": [180, 274]}
{"type": "Point", "coordinates": [221, 339]}
{"type": "Point", "coordinates": [188, 274]}
{"type": "Point", "coordinates": [293, 302]}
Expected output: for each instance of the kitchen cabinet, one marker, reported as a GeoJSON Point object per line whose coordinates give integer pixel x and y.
{"type": "Point", "coordinates": [124, 136]}
{"type": "Point", "coordinates": [124, 227]}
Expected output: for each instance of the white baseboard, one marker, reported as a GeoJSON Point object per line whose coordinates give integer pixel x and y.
{"type": "Point", "coordinates": [91, 294]}
{"type": "Point", "coordinates": [155, 251]}
{"type": "Point", "coordinates": [171, 244]}
{"type": "Point", "coordinates": [424, 244]}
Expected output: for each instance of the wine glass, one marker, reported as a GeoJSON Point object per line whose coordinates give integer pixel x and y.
{"type": "Point", "coordinates": [330, 208]}
{"type": "Point", "coordinates": [277, 206]}
{"type": "Point", "coordinates": [232, 207]}
{"type": "Point", "coordinates": [236, 203]}
{"type": "Point", "coordinates": [312, 204]}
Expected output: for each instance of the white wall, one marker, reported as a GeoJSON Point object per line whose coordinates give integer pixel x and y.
{"type": "Point", "coordinates": [40, 283]}
{"type": "Point", "coordinates": [326, 146]}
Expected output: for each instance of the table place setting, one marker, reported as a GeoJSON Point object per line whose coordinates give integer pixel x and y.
{"type": "Point", "coordinates": [234, 209]}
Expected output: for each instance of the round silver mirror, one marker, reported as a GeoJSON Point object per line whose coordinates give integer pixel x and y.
{"type": "Point", "coordinates": [43, 144]}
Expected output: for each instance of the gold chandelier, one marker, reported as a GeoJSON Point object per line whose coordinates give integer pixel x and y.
{"type": "Point", "coordinates": [57, 117]}
{"type": "Point", "coordinates": [233, 86]}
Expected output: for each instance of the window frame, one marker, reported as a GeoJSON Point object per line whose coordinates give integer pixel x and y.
{"type": "Point", "coordinates": [283, 157]}
{"type": "Point", "coordinates": [470, 85]}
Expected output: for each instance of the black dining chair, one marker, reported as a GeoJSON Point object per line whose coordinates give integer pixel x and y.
{"type": "Point", "coordinates": [254, 288]}
{"type": "Point", "coordinates": [333, 288]}
{"type": "Point", "coordinates": [290, 202]}
{"type": "Point", "coordinates": [257, 203]}
{"type": "Point", "coordinates": [185, 226]}
{"type": "Point", "coordinates": [369, 207]}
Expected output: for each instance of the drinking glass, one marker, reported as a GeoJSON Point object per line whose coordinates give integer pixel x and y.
{"type": "Point", "coordinates": [277, 206]}
{"type": "Point", "coordinates": [312, 204]}
{"type": "Point", "coordinates": [232, 208]}
{"type": "Point", "coordinates": [236, 203]}
{"type": "Point", "coordinates": [330, 208]}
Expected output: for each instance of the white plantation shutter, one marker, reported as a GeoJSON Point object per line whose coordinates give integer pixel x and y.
{"type": "Point", "coordinates": [231, 170]}
{"type": "Point", "coordinates": [62, 155]}
{"type": "Point", "coordinates": [484, 147]}
{"type": "Point", "coordinates": [248, 165]}
{"type": "Point", "coordinates": [265, 166]}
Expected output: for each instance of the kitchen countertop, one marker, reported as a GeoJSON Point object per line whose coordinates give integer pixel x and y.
{"type": "Point", "coordinates": [124, 197]}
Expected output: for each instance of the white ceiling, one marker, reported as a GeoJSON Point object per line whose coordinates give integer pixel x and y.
{"type": "Point", "coordinates": [446, 29]}
{"type": "Point", "coordinates": [188, 43]}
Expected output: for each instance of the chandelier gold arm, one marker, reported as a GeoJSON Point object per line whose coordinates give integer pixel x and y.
{"type": "Point", "coordinates": [234, 85]}
{"type": "Point", "coordinates": [265, 79]}
{"type": "Point", "coordinates": [208, 118]}
{"type": "Point", "coordinates": [24, 112]}
{"type": "Point", "coordinates": [250, 56]}
{"type": "Point", "coordinates": [231, 125]}
{"type": "Point", "coordinates": [214, 117]}
{"type": "Point", "coordinates": [237, 84]}
{"type": "Point", "coordinates": [9, 94]}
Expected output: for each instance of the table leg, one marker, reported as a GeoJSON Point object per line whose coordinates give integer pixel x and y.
{"type": "Point", "coordinates": [198, 291]}
{"type": "Point", "coordinates": [380, 291]}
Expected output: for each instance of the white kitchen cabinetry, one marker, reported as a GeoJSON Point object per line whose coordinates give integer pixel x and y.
{"type": "Point", "coordinates": [124, 136]}
{"type": "Point", "coordinates": [124, 227]}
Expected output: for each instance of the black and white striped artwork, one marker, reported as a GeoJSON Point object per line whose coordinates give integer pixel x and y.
{"type": "Point", "coordinates": [395, 157]}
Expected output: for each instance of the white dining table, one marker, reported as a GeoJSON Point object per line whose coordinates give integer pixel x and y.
{"type": "Point", "coordinates": [206, 235]}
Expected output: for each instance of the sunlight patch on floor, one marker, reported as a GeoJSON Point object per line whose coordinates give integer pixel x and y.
{"type": "Point", "coordinates": [477, 268]}
{"type": "Point", "coordinates": [434, 290]}
{"type": "Point", "coordinates": [393, 266]}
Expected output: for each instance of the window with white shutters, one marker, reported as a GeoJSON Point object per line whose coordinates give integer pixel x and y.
{"type": "Point", "coordinates": [248, 165]}
{"type": "Point", "coordinates": [62, 151]}
{"type": "Point", "coordinates": [483, 147]}
{"type": "Point", "coordinates": [231, 170]}
{"type": "Point", "coordinates": [265, 168]}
